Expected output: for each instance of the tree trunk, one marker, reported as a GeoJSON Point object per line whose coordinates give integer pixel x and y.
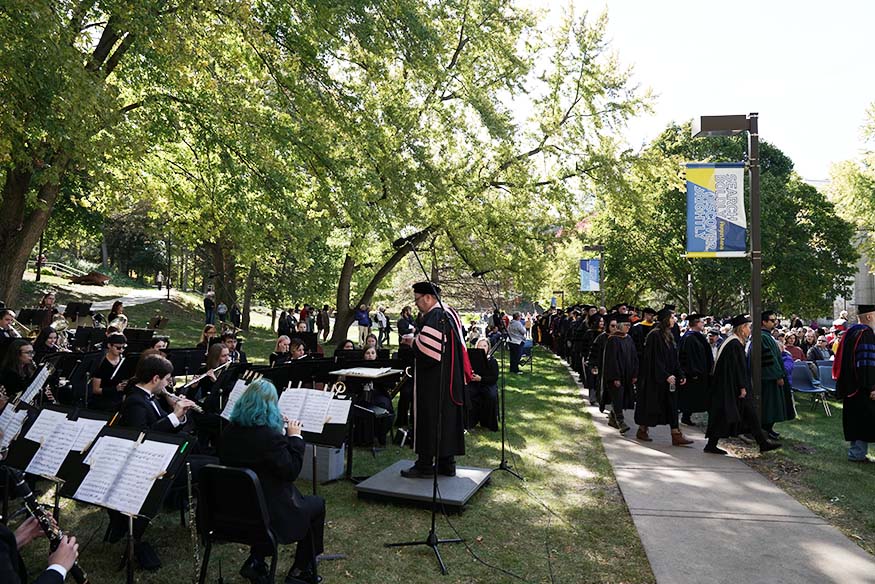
{"type": "Point", "coordinates": [247, 296]}
{"type": "Point", "coordinates": [273, 318]}
{"type": "Point", "coordinates": [344, 316]}
{"type": "Point", "coordinates": [21, 227]}
{"type": "Point", "coordinates": [104, 251]}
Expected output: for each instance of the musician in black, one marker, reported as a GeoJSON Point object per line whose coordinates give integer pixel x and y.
{"type": "Point", "coordinates": [107, 386]}
{"type": "Point", "coordinates": [280, 353]}
{"type": "Point", "coordinates": [12, 568]}
{"type": "Point", "coordinates": [405, 323]}
{"type": "Point", "coordinates": [407, 357]}
{"type": "Point", "coordinates": [206, 336]}
{"type": "Point", "coordinates": [202, 389]}
{"type": "Point", "coordinates": [256, 439]}
{"type": "Point", "coordinates": [230, 341]}
{"type": "Point", "coordinates": [18, 367]}
{"type": "Point", "coordinates": [7, 331]}
{"type": "Point", "coordinates": [482, 392]}
{"type": "Point", "coordinates": [375, 395]}
{"type": "Point", "coordinates": [46, 343]}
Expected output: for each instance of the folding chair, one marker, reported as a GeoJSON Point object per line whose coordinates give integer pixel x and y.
{"type": "Point", "coordinates": [802, 381]}
{"type": "Point", "coordinates": [526, 355]}
{"type": "Point", "coordinates": [826, 380]}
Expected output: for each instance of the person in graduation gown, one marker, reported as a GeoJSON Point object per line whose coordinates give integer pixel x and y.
{"type": "Point", "coordinates": [597, 356]}
{"type": "Point", "coordinates": [696, 360]}
{"type": "Point", "coordinates": [641, 329]}
{"type": "Point", "coordinates": [436, 394]}
{"type": "Point", "coordinates": [482, 392]}
{"type": "Point", "coordinates": [659, 376]}
{"type": "Point", "coordinates": [619, 372]}
{"type": "Point", "coordinates": [257, 440]}
{"type": "Point", "coordinates": [596, 324]}
{"type": "Point", "coordinates": [12, 568]}
{"type": "Point", "coordinates": [854, 369]}
{"type": "Point", "coordinates": [731, 410]}
{"type": "Point", "coordinates": [777, 401]}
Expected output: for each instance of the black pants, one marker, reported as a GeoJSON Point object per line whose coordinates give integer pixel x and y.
{"type": "Point", "coordinates": [313, 543]}
{"type": "Point", "coordinates": [617, 396]}
{"type": "Point", "coordinates": [516, 352]}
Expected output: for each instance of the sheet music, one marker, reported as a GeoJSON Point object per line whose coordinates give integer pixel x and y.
{"type": "Point", "coordinates": [45, 425]}
{"type": "Point", "coordinates": [10, 424]}
{"type": "Point", "coordinates": [338, 411]}
{"type": "Point", "coordinates": [37, 384]}
{"type": "Point", "coordinates": [147, 462]}
{"type": "Point", "coordinates": [107, 460]}
{"type": "Point", "coordinates": [51, 454]}
{"type": "Point", "coordinates": [310, 406]}
{"type": "Point", "coordinates": [90, 430]}
{"type": "Point", "coordinates": [235, 394]}
{"type": "Point", "coordinates": [366, 372]}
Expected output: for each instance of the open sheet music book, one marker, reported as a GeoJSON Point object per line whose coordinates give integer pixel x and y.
{"type": "Point", "coordinates": [122, 472]}
{"type": "Point", "coordinates": [236, 392]}
{"type": "Point", "coordinates": [367, 372]}
{"type": "Point", "coordinates": [310, 406]}
{"type": "Point", "coordinates": [36, 384]}
{"type": "Point", "coordinates": [57, 436]}
{"type": "Point", "coordinates": [10, 424]}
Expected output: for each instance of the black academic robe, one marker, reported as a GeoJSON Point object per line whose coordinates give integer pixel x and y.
{"type": "Point", "coordinates": [594, 361]}
{"type": "Point", "coordinates": [430, 345]}
{"type": "Point", "coordinates": [277, 459]}
{"type": "Point", "coordinates": [726, 408]}
{"type": "Point", "coordinates": [620, 364]}
{"type": "Point", "coordinates": [639, 332]}
{"type": "Point", "coordinates": [856, 380]}
{"type": "Point", "coordinates": [655, 405]}
{"type": "Point", "coordinates": [696, 360]}
{"type": "Point", "coordinates": [12, 568]}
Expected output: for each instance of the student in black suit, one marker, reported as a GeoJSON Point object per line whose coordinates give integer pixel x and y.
{"type": "Point", "coordinates": [257, 439]}
{"type": "Point", "coordinates": [12, 569]}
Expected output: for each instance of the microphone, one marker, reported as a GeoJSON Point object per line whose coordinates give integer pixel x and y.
{"type": "Point", "coordinates": [401, 242]}
{"type": "Point", "coordinates": [481, 273]}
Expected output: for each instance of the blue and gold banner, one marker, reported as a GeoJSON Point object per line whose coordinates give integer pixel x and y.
{"type": "Point", "coordinates": [716, 224]}
{"type": "Point", "coordinates": [589, 275]}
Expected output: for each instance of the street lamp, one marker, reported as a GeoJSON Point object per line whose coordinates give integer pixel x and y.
{"type": "Point", "coordinates": [731, 126]}
{"type": "Point", "coordinates": [601, 250]}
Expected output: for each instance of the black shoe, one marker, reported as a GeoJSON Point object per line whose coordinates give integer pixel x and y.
{"type": "Point", "coordinates": [299, 576]}
{"type": "Point", "coordinates": [714, 450]}
{"type": "Point", "coordinates": [767, 446]}
{"type": "Point", "coordinates": [747, 438]}
{"type": "Point", "coordinates": [416, 472]}
{"type": "Point", "coordinates": [773, 435]}
{"type": "Point", "coordinates": [624, 427]}
{"type": "Point", "coordinates": [687, 420]}
{"type": "Point", "coordinates": [146, 557]}
{"type": "Point", "coordinates": [447, 470]}
{"type": "Point", "coordinates": [254, 570]}
{"type": "Point", "coordinates": [612, 421]}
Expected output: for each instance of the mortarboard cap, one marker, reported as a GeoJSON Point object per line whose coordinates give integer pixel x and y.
{"type": "Point", "coordinates": [427, 288]}
{"type": "Point", "coordinates": [664, 313]}
{"type": "Point", "coordinates": [864, 308]}
{"type": "Point", "coordinates": [739, 320]}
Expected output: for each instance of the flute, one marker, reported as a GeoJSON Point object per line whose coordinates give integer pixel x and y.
{"type": "Point", "coordinates": [175, 398]}
{"type": "Point", "coordinates": [197, 378]}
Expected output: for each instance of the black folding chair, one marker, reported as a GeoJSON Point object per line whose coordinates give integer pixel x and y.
{"type": "Point", "coordinates": [231, 509]}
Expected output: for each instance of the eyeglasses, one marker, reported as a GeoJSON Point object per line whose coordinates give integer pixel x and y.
{"type": "Point", "coordinates": [119, 347]}
{"type": "Point", "coordinates": [31, 352]}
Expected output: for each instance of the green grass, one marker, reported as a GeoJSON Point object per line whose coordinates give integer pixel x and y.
{"type": "Point", "coordinates": [567, 519]}
{"type": "Point", "coordinates": [813, 468]}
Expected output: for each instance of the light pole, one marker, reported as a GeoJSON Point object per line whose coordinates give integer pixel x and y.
{"type": "Point", "coordinates": [601, 249]}
{"type": "Point", "coordinates": [731, 126]}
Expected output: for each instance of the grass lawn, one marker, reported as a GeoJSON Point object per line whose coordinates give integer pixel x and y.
{"type": "Point", "coordinates": [813, 468]}
{"type": "Point", "coordinates": [566, 523]}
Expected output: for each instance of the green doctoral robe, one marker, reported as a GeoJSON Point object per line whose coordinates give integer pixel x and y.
{"type": "Point", "coordinates": [776, 401]}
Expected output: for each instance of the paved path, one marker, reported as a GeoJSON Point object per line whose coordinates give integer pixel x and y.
{"type": "Point", "coordinates": [138, 296]}
{"type": "Point", "coordinates": [705, 518]}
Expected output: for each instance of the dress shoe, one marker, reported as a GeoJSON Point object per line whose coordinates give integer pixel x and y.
{"type": "Point", "coordinates": [447, 470]}
{"type": "Point", "coordinates": [416, 472]}
{"type": "Point", "coordinates": [766, 446]}
{"type": "Point", "coordinates": [642, 435]}
{"type": "Point", "coordinates": [678, 439]}
{"type": "Point", "coordinates": [254, 570]}
{"type": "Point", "coordinates": [146, 557]}
{"type": "Point", "coordinates": [687, 421]}
{"type": "Point", "coordinates": [624, 427]}
{"type": "Point", "coordinates": [714, 450]}
{"type": "Point", "coordinates": [773, 435]}
{"type": "Point", "coordinates": [612, 421]}
{"type": "Point", "coordinates": [296, 576]}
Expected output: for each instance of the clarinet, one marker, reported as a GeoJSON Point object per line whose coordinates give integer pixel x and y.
{"type": "Point", "coordinates": [54, 534]}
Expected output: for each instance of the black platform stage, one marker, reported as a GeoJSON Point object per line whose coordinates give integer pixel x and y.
{"type": "Point", "coordinates": [454, 492]}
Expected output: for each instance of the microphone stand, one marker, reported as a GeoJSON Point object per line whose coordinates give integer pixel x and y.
{"type": "Point", "coordinates": [503, 384]}
{"type": "Point", "coordinates": [432, 539]}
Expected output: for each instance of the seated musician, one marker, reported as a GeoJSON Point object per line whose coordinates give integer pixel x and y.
{"type": "Point", "coordinates": [12, 568]}
{"type": "Point", "coordinates": [407, 357]}
{"type": "Point", "coordinates": [297, 349]}
{"type": "Point", "coordinates": [159, 343]}
{"type": "Point", "coordinates": [46, 343]}
{"type": "Point", "coordinates": [280, 353]}
{"type": "Point", "coordinates": [482, 393]}
{"type": "Point", "coordinates": [375, 394]}
{"type": "Point", "coordinates": [17, 368]}
{"type": "Point", "coordinates": [230, 341]}
{"type": "Point", "coordinates": [346, 345]}
{"type": "Point", "coordinates": [48, 303]}
{"type": "Point", "coordinates": [256, 439]}
{"type": "Point", "coordinates": [370, 341]}
{"type": "Point", "coordinates": [107, 388]}
{"type": "Point", "coordinates": [202, 389]}
{"type": "Point", "coordinates": [7, 330]}
{"type": "Point", "coordinates": [208, 333]}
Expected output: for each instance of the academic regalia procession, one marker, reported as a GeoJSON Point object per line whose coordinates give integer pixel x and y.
{"type": "Point", "coordinates": [696, 361]}
{"type": "Point", "coordinates": [854, 370]}
{"type": "Point", "coordinates": [618, 372]}
{"type": "Point", "coordinates": [777, 401]}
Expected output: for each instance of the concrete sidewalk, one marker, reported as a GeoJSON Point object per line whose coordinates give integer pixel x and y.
{"type": "Point", "coordinates": [705, 518]}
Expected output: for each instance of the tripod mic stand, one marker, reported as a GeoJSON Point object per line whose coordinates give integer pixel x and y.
{"type": "Point", "coordinates": [432, 540]}
{"type": "Point", "coordinates": [503, 465]}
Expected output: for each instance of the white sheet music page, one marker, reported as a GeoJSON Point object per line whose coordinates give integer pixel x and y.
{"type": "Point", "coordinates": [291, 403]}
{"type": "Point", "coordinates": [338, 411]}
{"type": "Point", "coordinates": [107, 460]}
{"type": "Point", "coordinates": [10, 424]}
{"type": "Point", "coordinates": [235, 394]}
{"type": "Point", "coordinates": [37, 384]}
{"type": "Point", "coordinates": [147, 462]}
{"type": "Point", "coordinates": [44, 425]}
{"type": "Point", "coordinates": [367, 372]}
{"type": "Point", "coordinates": [54, 449]}
{"type": "Point", "coordinates": [90, 430]}
{"type": "Point", "coordinates": [315, 410]}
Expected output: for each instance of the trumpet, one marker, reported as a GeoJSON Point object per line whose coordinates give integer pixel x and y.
{"type": "Point", "coordinates": [175, 398]}
{"type": "Point", "coordinates": [405, 376]}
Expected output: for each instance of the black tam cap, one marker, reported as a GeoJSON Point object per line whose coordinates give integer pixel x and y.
{"type": "Point", "coordinates": [648, 310]}
{"type": "Point", "coordinates": [669, 307]}
{"type": "Point", "coordinates": [664, 313]}
{"type": "Point", "coordinates": [427, 288]}
{"type": "Point", "coordinates": [739, 320]}
{"type": "Point", "coordinates": [621, 318]}
{"type": "Point", "coordinates": [864, 308]}
{"type": "Point", "coordinates": [694, 317]}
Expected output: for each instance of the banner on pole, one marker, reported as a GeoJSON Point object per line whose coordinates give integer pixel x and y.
{"type": "Point", "coordinates": [716, 223]}
{"type": "Point", "coordinates": [589, 275]}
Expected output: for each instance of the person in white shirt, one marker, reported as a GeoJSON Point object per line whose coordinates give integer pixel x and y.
{"type": "Point", "coordinates": [516, 336]}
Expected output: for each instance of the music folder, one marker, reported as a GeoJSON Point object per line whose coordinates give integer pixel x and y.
{"type": "Point", "coordinates": [126, 470]}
